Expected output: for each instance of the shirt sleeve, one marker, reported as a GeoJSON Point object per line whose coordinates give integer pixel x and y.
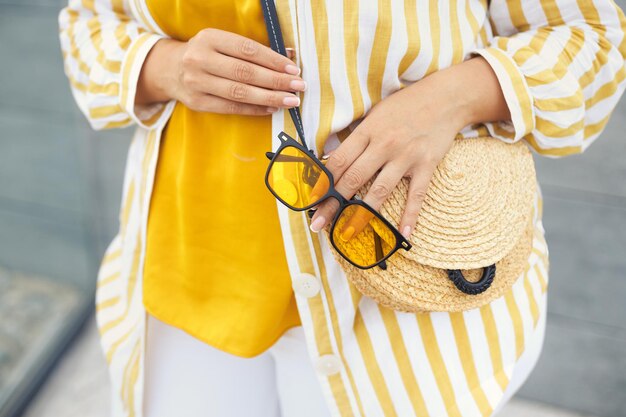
{"type": "Point", "coordinates": [104, 48]}
{"type": "Point", "coordinates": [560, 64]}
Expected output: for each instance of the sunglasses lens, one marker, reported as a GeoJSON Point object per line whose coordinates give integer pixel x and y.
{"type": "Point", "coordinates": [360, 236]}
{"type": "Point", "coordinates": [297, 179]}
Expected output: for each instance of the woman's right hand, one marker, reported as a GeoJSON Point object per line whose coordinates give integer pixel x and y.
{"type": "Point", "coordinates": [219, 72]}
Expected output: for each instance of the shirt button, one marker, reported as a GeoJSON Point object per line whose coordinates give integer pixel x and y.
{"type": "Point", "coordinates": [306, 285]}
{"type": "Point", "coordinates": [328, 364]}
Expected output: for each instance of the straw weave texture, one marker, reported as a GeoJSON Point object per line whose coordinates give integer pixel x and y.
{"type": "Point", "coordinates": [477, 212]}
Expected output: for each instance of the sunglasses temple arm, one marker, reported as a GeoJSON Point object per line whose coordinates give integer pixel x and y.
{"type": "Point", "coordinates": [379, 251]}
{"type": "Point", "coordinates": [286, 158]}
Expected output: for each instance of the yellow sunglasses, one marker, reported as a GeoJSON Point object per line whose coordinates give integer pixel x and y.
{"type": "Point", "coordinates": [299, 180]}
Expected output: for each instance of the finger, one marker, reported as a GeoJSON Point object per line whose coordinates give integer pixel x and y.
{"type": "Point", "coordinates": [344, 155]}
{"type": "Point", "coordinates": [320, 188]}
{"type": "Point", "coordinates": [359, 172]}
{"type": "Point", "coordinates": [248, 73]}
{"type": "Point", "coordinates": [355, 223]}
{"type": "Point", "coordinates": [384, 183]}
{"type": "Point", "coordinates": [249, 50]}
{"type": "Point", "coordinates": [290, 53]}
{"type": "Point", "coordinates": [244, 93]}
{"type": "Point", "coordinates": [352, 179]}
{"type": "Point", "coordinates": [213, 104]}
{"type": "Point", "coordinates": [319, 221]}
{"type": "Point", "coordinates": [418, 187]}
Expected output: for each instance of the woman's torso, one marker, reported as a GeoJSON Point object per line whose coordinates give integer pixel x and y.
{"type": "Point", "coordinates": [386, 355]}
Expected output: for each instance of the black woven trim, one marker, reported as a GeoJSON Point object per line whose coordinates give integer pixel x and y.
{"type": "Point", "coordinates": [473, 288]}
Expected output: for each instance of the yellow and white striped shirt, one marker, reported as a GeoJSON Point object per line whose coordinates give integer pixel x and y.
{"type": "Point", "coordinates": [561, 67]}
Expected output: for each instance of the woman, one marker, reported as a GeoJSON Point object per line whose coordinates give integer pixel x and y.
{"type": "Point", "coordinates": [195, 302]}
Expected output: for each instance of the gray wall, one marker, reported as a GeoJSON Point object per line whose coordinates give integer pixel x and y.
{"type": "Point", "coordinates": [60, 186]}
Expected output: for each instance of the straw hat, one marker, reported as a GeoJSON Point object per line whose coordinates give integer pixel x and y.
{"type": "Point", "coordinates": [477, 212]}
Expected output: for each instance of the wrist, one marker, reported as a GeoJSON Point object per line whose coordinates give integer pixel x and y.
{"type": "Point", "coordinates": [472, 93]}
{"type": "Point", "coordinates": [159, 74]}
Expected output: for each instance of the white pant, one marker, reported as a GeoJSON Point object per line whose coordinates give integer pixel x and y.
{"type": "Point", "coordinates": [528, 360]}
{"type": "Point", "coordinates": [188, 378]}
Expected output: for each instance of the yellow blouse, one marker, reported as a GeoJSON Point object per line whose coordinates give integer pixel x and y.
{"type": "Point", "coordinates": [215, 261]}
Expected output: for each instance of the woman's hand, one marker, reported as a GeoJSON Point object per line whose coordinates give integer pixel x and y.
{"type": "Point", "coordinates": [408, 133]}
{"type": "Point", "coordinates": [219, 72]}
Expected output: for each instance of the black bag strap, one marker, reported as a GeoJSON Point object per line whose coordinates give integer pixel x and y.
{"type": "Point", "coordinates": [278, 44]}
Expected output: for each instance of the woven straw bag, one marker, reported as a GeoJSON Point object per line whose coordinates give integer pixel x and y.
{"type": "Point", "coordinates": [476, 220]}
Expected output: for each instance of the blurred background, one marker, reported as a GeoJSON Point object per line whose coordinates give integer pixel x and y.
{"type": "Point", "coordinates": [60, 186]}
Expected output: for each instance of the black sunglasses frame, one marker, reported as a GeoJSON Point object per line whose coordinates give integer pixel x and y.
{"type": "Point", "coordinates": [288, 141]}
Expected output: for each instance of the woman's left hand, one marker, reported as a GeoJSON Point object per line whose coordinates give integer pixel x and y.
{"type": "Point", "coordinates": [407, 134]}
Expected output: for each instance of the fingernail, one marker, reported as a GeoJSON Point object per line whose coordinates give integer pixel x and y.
{"type": "Point", "coordinates": [317, 224]}
{"type": "Point", "coordinates": [406, 232]}
{"type": "Point", "coordinates": [272, 109]}
{"type": "Point", "coordinates": [290, 52]}
{"type": "Point", "coordinates": [291, 101]}
{"type": "Point", "coordinates": [347, 234]}
{"type": "Point", "coordinates": [292, 69]}
{"type": "Point", "coordinates": [298, 85]}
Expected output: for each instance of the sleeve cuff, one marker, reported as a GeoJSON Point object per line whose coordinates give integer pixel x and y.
{"type": "Point", "coordinates": [146, 116]}
{"type": "Point", "coordinates": [516, 93]}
